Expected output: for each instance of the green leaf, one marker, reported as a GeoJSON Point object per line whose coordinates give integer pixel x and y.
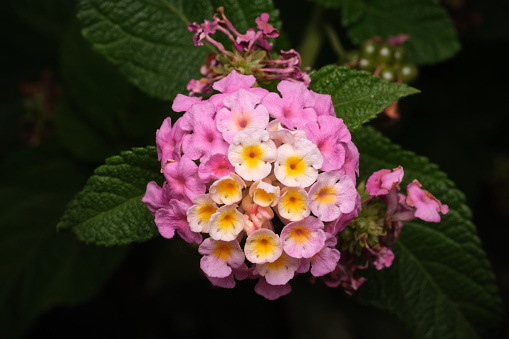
{"type": "Point", "coordinates": [432, 34]}
{"type": "Point", "coordinates": [358, 96]}
{"type": "Point", "coordinates": [109, 211]}
{"type": "Point", "coordinates": [40, 268]}
{"type": "Point", "coordinates": [149, 39]}
{"type": "Point", "coordinates": [441, 283]}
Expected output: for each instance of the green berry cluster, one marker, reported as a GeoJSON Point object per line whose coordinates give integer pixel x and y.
{"type": "Point", "coordinates": [383, 59]}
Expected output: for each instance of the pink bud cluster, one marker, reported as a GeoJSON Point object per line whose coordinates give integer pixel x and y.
{"type": "Point", "coordinates": [264, 177]}
{"type": "Point", "coordinates": [378, 224]}
{"type": "Point", "coordinates": [418, 203]}
{"type": "Point", "coordinates": [251, 54]}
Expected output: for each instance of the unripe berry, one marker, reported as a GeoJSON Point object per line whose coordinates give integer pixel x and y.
{"type": "Point", "coordinates": [369, 48]}
{"type": "Point", "coordinates": [366, 64]}
{"type": "Point", "coordinates": [385, 53]}
{"type": "Point", "coordinates": [388, 73]}
{"type": "Point", "coordinates": [409, 72]}
{"type": "Point", "coordinates": [399, 55]}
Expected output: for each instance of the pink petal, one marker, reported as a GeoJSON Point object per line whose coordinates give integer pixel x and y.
{"type": "Point", "coordinates": [154, 198]}
{"type": "Point", "coordinates": [393, 179]}
{"type": "Point", "coordinates": [327, 259]}
{"type": "Point", "coordinates": [174, 218]}
{"type": "Point", "coordinates": [217, 166]}
{"type": "Point", "coordinates": [182, 178]}
{"type": "Point", "coordinates": [323, 104]}
{"type": "Point", "coordinates": [182, 102]}
{"type": "Point", "coordinates": [427, 206]}
{"type": "Point", "coordinates": [351, 165]}
{"type": "Point", "coordinates": [295, 109]}
{"type": "Point", "coordinates": [215, 267]}
{"type": "Point", "coordinates": [229, 281]}
{"type": "Point", "coordinates": [169, 140]}
{"type": "Point", "coordinates": [233, 82]}
{"type": "Point", "coordinates": [374, 183]}
{"type": "Point", "coordinates": [271, 292]}
{"type": "Point", "coordinates": [314, 242]}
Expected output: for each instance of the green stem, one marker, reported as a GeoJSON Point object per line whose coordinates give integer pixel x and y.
{"type": "Point", "coordinates": [334, 41]}
{"type": "Point", "coordinates": [312, 40]}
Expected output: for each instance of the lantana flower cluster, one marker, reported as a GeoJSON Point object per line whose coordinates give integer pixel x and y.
{"type": "Point", "coordinates": [265, 182]}
{"type": "Point", "coordinates": [251, 54]}
{"type": "Point", "coordinates": [263, 177]}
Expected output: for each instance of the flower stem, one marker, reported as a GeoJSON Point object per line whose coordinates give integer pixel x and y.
{"type": "Point", "coordinates": [313, 38]}
{"type": "Point", "coordinates": [334, 40]}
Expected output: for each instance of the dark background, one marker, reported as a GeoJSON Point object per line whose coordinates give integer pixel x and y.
{"type": "Point", "coordinates": [459, 121]}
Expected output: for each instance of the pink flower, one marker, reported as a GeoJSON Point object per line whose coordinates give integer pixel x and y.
{"type": "Point", "coordinates": [381, 182]}
{"type": "Point", "coordinates": [156, 197]}
{"type": "Point", "coordinates": [202, 31]}
{"type": "Point", "coordinates": [205, 140]}
{"type": "Point", "coordinates": [242, 111]}
{"type": "Point", "coordinates": [351, 165]}
{"type": "Point", "coordinates": [219, 257]}
{"type": "Point", "coordinates": [262, 22]}
{"type": "Point", "coordinates": [169, 141]}
{"type": "Point", "coordinates": [239, 273]}
{"type": "Point", "coordinates": [271, 292]}
{"type": "Point", "coordinates": [323, 104]}
{"type": "Point", "coordinates": [182, 103]}
{"type": "Point", "coordinates": [330, 135]}
{"type": "Point", "coordinates": [233, 82]}
{"type": "Point", "coordinates": [295, 108]}
{"type": "Point", "coordinates": [182, 178]}
{"type": "Point", "coordinates": [215, 167]}
{"type": "Point", "coordinates": [426, 205]}
{"type": "Point", "coordinates": [174, 218]}
{"type": "Point", "coordinates": [297, 164]}
{"type": "Point", "coordinates": [384, 258]}
{"type": "Point", "coordinates": [252, 152]}
{"type": "Point", "coordinates": [325, 261]}
{"type": "Point", "coordinates": [332, 195]}
{"type": "Point", "coordinates": [278, 272]}
{"type": "Point", "coordinates": [304, 238]}
{"type": "Point", "coordinates": [263, 245]}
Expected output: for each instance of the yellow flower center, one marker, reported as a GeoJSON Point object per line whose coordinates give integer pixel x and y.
{"type": "Point", "coordinates": [227, 188]}
{"type": "Point", "coordinates": [263, 196]}
{"type": "Point", "coordinates": [227, 221]}
{"type": "Point", "coordinates": [326, 195]}
{"type": "Point", "coordinates": [293, 203]}
{"type": "Point", "coordinates": [300, 235]}
{"type": "Point", "coordinates": [264, 247]}
{"type": "Point", "coordinates": [295, 166]}
{"type": "Point", "coordinates": [223, 251]}
{"type": "Point", "coordinates": [252, 156]}
{"type": "Point", "coordinates": [205, 211]}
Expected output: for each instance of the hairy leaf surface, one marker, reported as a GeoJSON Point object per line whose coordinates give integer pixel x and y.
{"type": "Point", "coordinates": [358, 96]}
{"type": "Point", "coordinates": [109, 211]}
